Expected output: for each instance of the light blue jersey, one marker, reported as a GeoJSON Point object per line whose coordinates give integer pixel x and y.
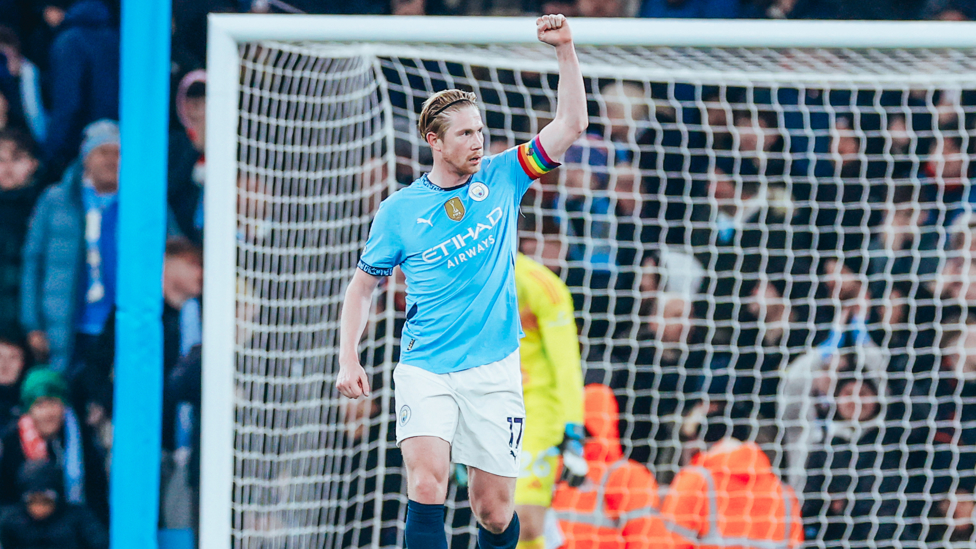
{"type": "Point", "coordinates": [457, 248]}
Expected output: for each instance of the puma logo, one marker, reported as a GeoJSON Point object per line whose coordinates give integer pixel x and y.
{"type": "Point", "coordinates": [427, 221]}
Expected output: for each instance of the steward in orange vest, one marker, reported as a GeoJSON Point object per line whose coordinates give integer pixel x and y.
{"type": "Point", "coordinates": [729, 497]}
{"type": "Point", "coordinates": [616, 508]}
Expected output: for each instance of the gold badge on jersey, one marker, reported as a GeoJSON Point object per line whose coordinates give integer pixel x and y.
{"type": "Point", "coordinates": [455, 209]}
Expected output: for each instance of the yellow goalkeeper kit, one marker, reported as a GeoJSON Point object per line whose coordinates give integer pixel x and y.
{"type": "Point", "coordinates": [552, 377]}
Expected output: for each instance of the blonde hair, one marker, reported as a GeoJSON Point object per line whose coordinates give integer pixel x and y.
{"type": "Point", "coordinates": [433, 115]}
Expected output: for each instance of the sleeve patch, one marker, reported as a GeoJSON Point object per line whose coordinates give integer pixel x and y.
{"type": "Point", "coordinates": [374, 271]}
{"type": "Point", "coordinates": [534, 160]}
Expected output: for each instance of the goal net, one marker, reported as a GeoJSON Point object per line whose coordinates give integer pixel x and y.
{"type": "Point", "coordinates": [778, 238]}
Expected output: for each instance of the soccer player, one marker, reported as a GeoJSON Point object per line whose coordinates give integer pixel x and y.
{"type": "Point", "coordinates": [552, 380]}
{"type": "Point", "coordinates": [458, 386]}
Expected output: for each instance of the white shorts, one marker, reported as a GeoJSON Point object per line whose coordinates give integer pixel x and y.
{"type": "Point", "coordinates": [479, 411]}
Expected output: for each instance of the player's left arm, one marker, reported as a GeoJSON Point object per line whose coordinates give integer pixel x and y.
{"type": "Point", "coordinates": [571, 118]}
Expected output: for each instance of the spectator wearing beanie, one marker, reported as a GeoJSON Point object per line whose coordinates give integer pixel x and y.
{"type": "Point", "coordinates": [84, 78]}
{"type": "Point", "coordinates": [44, 519]}
{"type": "Point", "coordinates": [68, 281]}
{"type": "Point", "coordinates": [50, 430]}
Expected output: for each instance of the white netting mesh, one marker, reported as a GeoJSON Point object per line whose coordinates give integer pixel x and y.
{"type": "Point", "coordinates": [785, 233]}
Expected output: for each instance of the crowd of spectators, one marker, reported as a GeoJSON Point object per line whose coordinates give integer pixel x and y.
{"type": "Point", "coordinates": [834, 313]}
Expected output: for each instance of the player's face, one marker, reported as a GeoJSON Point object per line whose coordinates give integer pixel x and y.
{"type": "Point", "coordinates": [463, 145]}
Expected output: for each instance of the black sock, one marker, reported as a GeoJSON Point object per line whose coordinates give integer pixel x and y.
{"type": "Point", "coordinates": [425, 526]}
{"type": "Point", "coordinates": [506, 540]}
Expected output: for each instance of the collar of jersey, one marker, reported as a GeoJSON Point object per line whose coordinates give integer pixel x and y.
{"type": "Point", "coordinates": [424, 182]}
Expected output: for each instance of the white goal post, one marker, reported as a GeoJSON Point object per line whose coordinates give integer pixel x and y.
{"type": "Point", "coordinates": [229, 34]}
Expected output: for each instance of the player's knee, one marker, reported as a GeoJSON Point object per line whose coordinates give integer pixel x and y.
{"type": "Point", "coordinates": [428, 489]}
{"type": "Point", "coordinates": [495, 518]}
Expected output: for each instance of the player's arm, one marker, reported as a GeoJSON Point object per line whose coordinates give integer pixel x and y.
{"type": "Point", "coordinates": [571, 119]}
{"type": "Point", "coordinates": [352, 381]}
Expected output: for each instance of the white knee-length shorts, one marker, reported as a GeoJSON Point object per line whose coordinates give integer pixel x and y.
{"type": "Point", "coordinates": [479, 411]}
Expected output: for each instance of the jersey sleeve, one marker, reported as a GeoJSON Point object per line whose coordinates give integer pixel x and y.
{"type": "Point", "coordinates": [552, 305]}
{"type": "Point", "coordinates": [383, 250]}
{"type": "Point", "coordinates": [525, 163]}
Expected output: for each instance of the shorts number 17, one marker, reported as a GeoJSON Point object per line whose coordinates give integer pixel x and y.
{"type": "Point", "coordinates": [515, 440]}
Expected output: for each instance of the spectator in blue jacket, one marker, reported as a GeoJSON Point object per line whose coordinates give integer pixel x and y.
{"type": "Point", "coordinates": [691, 9]}
{"type": "Point", "coordinates": [84, 79]}
{"type": "Point", "coordinates": [68, 280]}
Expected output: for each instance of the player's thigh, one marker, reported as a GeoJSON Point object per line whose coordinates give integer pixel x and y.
{"type": "Point", "coordinates": [537, 475]}
{"type": "Point", "coordinates": [427, 419]}
{"type": "Point", "coordinates": [491, 423]}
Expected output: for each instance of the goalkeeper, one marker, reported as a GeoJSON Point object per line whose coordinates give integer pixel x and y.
{"type": "Point", "coordinates": [552, 382]}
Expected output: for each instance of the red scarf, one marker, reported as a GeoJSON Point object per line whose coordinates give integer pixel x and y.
{"type": "Point", "coordinates": [35, 447]}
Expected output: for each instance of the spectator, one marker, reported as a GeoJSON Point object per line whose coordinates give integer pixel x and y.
{"type": "Point", "coordinates": [947, 180]}
{"type": "Point", "coordinates": [768, 338]}
{"type": "Point", "coordinates": [903, 242]}
{"type": "Point", "coordinates": [14, 362]}
{"type": "Point", "coordinates": [182, 332]}
{"type": "Point", "coordinates": [625, 108]}
{"type": "Point", "coordinates": [806, 397]}
{"type": "Point", "coordinates": [18, 194]}
{"type": "Point", "coordinates": [40, 24]}
{"type": "Point", "coordinates": [601, 8]}
{"type": "Point", "coordinates": [729, 491]}
{"type": "Point", "coordinates": [50, 430]}
{"type": "Point", "coordinates": [902, 144]}
{"type": "Point", "coordinates": [956, 279]}
{"type": "Point", "coordinates": [859, 470]}
{"type": "Point", "coordinates": [743, 211]}
{"type": "Point", "coordinates": [694, 9]}
{"type": "Point", "coordinates": [187, 166]}
{"type": "Point", "coordinates": [68, 285]}
{"type": "Point", "coordinates": [844, 298]}
{"type": "Point", "coordinates": [954, 394]}
{"type": "Point", "coordinates": [20, 81]}
{"type": "Point", "coordinates": [85, 79]}
{"type": "Point", "coordinates": [541, 240]}
{"type": "Point", "coordinates": [627, 515]}
{"type": "Point", "coordinates": [760, 146]}
{"type": "Point", "coordinates": [950, 10]}
{"type": "Point", "coordinates": [587, 207]}
{"type": "Point", "coordinates": [660, 367]}
{"type": "Point", "coordinates": [42, 519]}
{"type": "Point", "coordinates": [952, 516]}
{"type": "Point", "coordinates": [790, 9]}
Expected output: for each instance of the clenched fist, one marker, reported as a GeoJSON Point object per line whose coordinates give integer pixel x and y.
{"type": "Point", "coordinates": [352, 381]}
{"type": "Point", "coordinates": [553, 30]}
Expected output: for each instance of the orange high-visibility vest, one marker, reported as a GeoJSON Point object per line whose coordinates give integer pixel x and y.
{"type": "Point", "coordinates": [730, 498]}
{"type": "Point", "coordinates": [616, 513]}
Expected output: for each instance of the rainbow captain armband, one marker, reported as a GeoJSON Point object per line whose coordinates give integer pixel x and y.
{"type": "Point", "coordinates": [534, 160]}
